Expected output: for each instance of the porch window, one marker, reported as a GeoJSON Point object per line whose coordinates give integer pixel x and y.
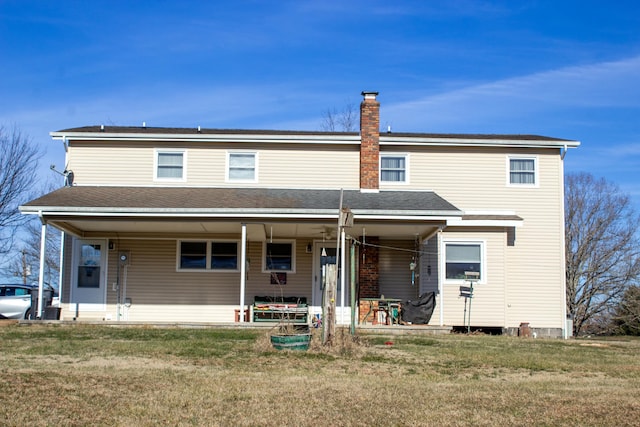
{"type": "Point", "coordinates": [393, 168]}
{"type": "Point", "coordinates": [279, 256]}
{"type": "Point", "coordinates": [522, 171]}
{"type": "Point", "coordinates": [193, 255]}
{"type": "Point", "coordinates": [208, 255]}
{"type": "Point", "coordinates": [241, 167]}
{"type": "Point", "coordinates": [461, 257]}
{"type": "Point", "coordinates": [170, 165]}
{"type": "Point", "coordinates": [224, 255]}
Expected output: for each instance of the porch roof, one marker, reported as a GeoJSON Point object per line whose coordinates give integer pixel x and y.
{"type": "Point", "coordinates": [218, 200]}
{"type": "Point", "coordinates": [87, 210]}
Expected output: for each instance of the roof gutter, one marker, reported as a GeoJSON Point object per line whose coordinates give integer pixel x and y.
{"type": "Point", "coordinates": [222, 137]}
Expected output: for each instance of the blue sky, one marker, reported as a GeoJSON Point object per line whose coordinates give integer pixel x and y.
{"type": "Point", "coordinates": [568, 69]}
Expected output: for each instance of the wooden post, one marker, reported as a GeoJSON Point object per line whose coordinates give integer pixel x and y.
{"type": "Point", "coordinates": [329, 322]}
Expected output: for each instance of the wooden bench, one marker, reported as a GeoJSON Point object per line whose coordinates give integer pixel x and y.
{"type": "Point", "coordinates": [276, 309]}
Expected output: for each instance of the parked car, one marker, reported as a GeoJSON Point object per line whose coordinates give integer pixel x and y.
{"type": "Point", "coordinates": [15, 301]}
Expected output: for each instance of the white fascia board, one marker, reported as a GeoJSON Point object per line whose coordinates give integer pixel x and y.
{"type": "Point", "coordinates": [231, 137]}
{"type": "Point", "coordinates": [328, 214]}
{"type": "Point", "coordinates": [178, 212]}
{"type": "Point", "coordinates": [411, 217]}
{"type": "Point", "coordinates": [470, 142]}
{"type": "Point", "coordinates": [486, 223]}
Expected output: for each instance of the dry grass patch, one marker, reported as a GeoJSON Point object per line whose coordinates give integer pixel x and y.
{"type": "Point", "coordinates": [132, 376]}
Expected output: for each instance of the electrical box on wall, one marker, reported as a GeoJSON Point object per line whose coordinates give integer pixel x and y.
{"type": "Point", "coordinates": [124, 257]}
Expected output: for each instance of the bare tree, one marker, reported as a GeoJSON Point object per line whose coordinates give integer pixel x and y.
{"type": "Point", "coordinates": [345, 120]}
{"type": "Point", "coordinates": [26, 263]}
{"type": "Point", "coordinates": [19, 159]}
{"type": "Point", "coordinates": [601, 248]}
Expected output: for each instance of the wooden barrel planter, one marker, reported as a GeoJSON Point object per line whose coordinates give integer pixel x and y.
{"type": "Point", "coordinates": [291, 341]}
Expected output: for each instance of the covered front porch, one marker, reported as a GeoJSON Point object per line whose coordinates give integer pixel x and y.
{"type": "Point", "coordinates": [140, 255]}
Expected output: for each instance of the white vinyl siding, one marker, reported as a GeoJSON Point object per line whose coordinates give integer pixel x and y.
{"type": "Point", "coordinates": [278, 165]}
{"type": "Point", "coordinates": [395, 274]}
{"type": "Point", "coordinates": [158, 292]}
{"type": "Point", "coordinates": [489, 302]}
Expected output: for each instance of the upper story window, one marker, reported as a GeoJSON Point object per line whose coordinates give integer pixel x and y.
{"type": "Point", "coordinates": [208, 255]}
{"type": "Point", "coordinates": [242, 166]}
{"type": "Point", "coordinates": [461, 257]}
{"type": "Point", "coordinates": [170, 165]}
{"type": "Point", "coordinates": [523, 171]}
{"type": "Point", "coordinates": [393, 168]}
{"type": "Point", "coordinates": [279, 256]}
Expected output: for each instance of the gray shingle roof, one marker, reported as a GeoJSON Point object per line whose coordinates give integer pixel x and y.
{"type": "Point", "coordinates": [208, 131]}
{"type": "Point", "coordinates": [101, 198]}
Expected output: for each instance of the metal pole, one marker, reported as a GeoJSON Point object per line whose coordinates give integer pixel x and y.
{"type": "Point", "coordinates": [352, 281]}
{"type": "Point", "coordinates": [343, 255]}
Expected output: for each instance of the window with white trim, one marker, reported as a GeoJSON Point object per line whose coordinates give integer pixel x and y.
{"type": "Point", "coordinates": [393, 168]}
{"type": "Point", "coordinates": [224, 255]}
{"type": "Point", "coordinates": [170, 165]}
{"type": "Point", "coordinates": [461, 257]}
{"type": "Point", "coordinates": [279, 256]}
{"type": "Point", "coordinates": [209, 255]}
{"type": "Point", "coordinates": [241, 166]}
{"type": "Point", "coordinates": [523, 171]}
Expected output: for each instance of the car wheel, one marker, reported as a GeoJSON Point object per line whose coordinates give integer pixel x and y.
{"type": "Point", "coordinates": [27, 315]}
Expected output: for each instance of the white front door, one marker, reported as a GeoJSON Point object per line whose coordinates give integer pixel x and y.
{"type": "Point", "coordinates": [88, 289]}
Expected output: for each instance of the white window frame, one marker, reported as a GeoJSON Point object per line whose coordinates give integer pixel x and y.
{"type": "Point", "coordinates": [406, 168]}
{"type": "Point", "coordinates": [536, 177]}
{"type": "Point", "coordinates": [483, 260]}
{"type": "Point", "coordinates": [209, 253]}
{"type": "Point", "coordinates": [255, 166]}
{"type": "Point", "coordinates": [293, 256]}
{"type": "Point", "coordinates": [156, 155]}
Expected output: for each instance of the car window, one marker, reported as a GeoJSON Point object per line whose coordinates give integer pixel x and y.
{"type": "Point", "coordinates": [9, 292]}
{"type": "Point", "coordinates": [22, 291]}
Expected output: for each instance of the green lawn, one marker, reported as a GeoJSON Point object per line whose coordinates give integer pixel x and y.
{"type": "Point", "coordinates": [54, 375]}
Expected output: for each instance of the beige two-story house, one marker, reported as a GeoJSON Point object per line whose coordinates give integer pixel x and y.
{"type": "Point", "coordinates": [191, 224]}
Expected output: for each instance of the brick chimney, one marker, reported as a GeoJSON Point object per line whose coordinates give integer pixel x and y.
{"type": "Point", "coordinates": [369, 142]}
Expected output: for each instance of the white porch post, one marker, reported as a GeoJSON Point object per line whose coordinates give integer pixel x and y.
{"type": "Point", "coordinates": [343, 260]}
{"type": "Point", "coordinates": [243, 270]}
{"type": "Point", "coordinates": [43, 242]}
{"type": "Point", "coordinates": [441, 275]}
{"type": "Point", "coordinates": [61, 271]}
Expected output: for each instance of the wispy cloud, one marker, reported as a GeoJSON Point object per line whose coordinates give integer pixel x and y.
{"type": "Point", "coordinates": [604, 85]}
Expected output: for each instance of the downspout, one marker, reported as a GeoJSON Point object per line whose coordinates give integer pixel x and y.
{"type": "Point", "coordinates": [243, 270]}
{"type": "Point", "coordinates": [43, 242]}
{"type": "Point", "coordinates": [563, 256]}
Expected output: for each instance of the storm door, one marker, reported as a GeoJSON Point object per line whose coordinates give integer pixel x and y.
{"type": "Point", "coordinates": [88, 290]}
{"type": "Point", "coordinates": [325, 263]}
